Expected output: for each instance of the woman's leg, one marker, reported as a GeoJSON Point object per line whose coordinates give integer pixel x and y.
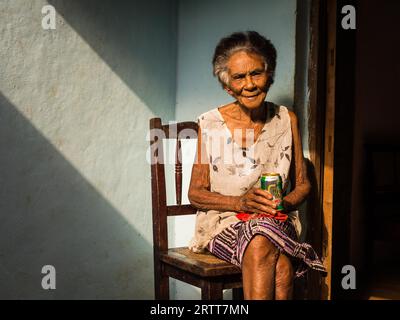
{"type": "Point", "coordinates": [258, 269]}
{"type": "Point", "coordinates": [283, 278]}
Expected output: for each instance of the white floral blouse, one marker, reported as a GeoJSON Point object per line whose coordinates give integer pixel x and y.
{"type": "Point", "coordinates": [234, 170]}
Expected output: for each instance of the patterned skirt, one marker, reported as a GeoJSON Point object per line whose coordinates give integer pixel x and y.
{"type": "Point", "coordinates": [231, 243]}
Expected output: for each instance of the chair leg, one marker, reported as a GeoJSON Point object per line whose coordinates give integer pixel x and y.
{"type": "Point", "coordinates": [211, 291]}
{"type": "Point", "coordinates": [161, 284]}
{"type": "Point", "coordinates": [237, 294]}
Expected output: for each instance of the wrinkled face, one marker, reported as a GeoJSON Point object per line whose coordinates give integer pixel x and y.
{"type": "Point", "coordinates": [248, 79]}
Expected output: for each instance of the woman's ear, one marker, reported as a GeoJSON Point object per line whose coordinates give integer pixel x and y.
{"type": "Point", "coordinates": [227, 89]}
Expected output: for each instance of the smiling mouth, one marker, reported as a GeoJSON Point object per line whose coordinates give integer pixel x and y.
{"type": "Point", "coordinates": [252, 97]}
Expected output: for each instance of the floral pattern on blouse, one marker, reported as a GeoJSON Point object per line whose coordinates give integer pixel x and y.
{"type": "Point", "coordinates": [234, 170]}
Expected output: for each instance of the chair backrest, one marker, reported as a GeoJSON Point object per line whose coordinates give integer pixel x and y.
{"type": "Point", "coordinates": [158, 132]}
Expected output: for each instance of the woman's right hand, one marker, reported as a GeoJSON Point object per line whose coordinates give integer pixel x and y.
{"type": "Point", "coordinates": [257, 201]}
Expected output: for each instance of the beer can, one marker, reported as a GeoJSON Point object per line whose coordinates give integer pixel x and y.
{"type": "Point", "coordinates": [272, 182]}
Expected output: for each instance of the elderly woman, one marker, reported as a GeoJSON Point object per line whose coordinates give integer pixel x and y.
{"type": "Point", "coordinates": [237, 220]}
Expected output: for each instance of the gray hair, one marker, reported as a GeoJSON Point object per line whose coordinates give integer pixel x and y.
{"type": "Point", "coordinates": [249, 41]}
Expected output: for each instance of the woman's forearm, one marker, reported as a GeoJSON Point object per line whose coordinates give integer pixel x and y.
{"type": "Point", "coordinates": [207, 200]}
{"type": "Point", "coordinates": [296, 197]}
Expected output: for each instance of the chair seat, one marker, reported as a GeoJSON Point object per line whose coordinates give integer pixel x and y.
{"type": "Point", "coordinates": [202, 264]}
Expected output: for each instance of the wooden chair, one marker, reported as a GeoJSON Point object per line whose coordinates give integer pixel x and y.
{"type": "Point", "coordinates": [205, 271]}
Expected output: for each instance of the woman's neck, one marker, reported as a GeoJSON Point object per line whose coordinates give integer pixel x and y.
{"type": "Point", "coordinates": [251, 115]}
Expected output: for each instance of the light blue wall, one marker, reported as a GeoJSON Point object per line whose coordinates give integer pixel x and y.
{"type": "Point", "coordinates": [301, 74]}
{"type": "Point", "coordinates": [74, 109]}
{"type": "Point", "coordinates": [201, 25]}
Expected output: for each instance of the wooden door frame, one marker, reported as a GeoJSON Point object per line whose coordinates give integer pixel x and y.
{"type": "Point", "coordinates": [344, 117]}
{"type": "Point", "coordinates": [316, 129]}
{"type": "Point", "coordinates": [329, 148]}
{"type": "Point", "coordinates": [331, 115]}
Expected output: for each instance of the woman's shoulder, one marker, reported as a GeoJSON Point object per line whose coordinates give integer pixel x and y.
{"type": "Point", "coordinates": [279, 111]}
{"type": "Point", "coordinates": [287, 119]}
{"type": "Point", "coordinates": [277, 108]}
{"type": "Point", "coordinates": [215, 111]}
{"type": "Point", "coordinates": [210, 119]}
{"type": "Point", "coordinates": [207, 115]}
{"type": "Point", "coordinates": [287, 111]}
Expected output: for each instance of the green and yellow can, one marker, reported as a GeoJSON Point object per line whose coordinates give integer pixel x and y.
{"type": "Point", "coordinates": [272, 182]}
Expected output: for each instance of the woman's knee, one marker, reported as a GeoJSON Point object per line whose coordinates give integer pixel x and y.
{"type": "Point", "coordinates": [262, 249]}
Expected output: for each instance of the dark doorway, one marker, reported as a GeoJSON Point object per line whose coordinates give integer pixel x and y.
{"type": "Point", "coordinates": [375, 222]}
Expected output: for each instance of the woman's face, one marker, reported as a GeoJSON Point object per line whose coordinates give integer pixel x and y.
{"type": "Point", "coordinates": [247, 79]}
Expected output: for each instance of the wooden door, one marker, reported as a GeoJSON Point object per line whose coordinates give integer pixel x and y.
{"type": "Point", "coordinates": [331, 109]}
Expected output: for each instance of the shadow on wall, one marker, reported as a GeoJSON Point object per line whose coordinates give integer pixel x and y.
{"type": "Point", "coordinates": [137, 39]}
{"type": "Point", "coordinates": [91, 246]}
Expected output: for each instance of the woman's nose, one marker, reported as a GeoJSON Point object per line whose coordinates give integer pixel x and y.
{"type": "Point", "coordinates": [249, 83]}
